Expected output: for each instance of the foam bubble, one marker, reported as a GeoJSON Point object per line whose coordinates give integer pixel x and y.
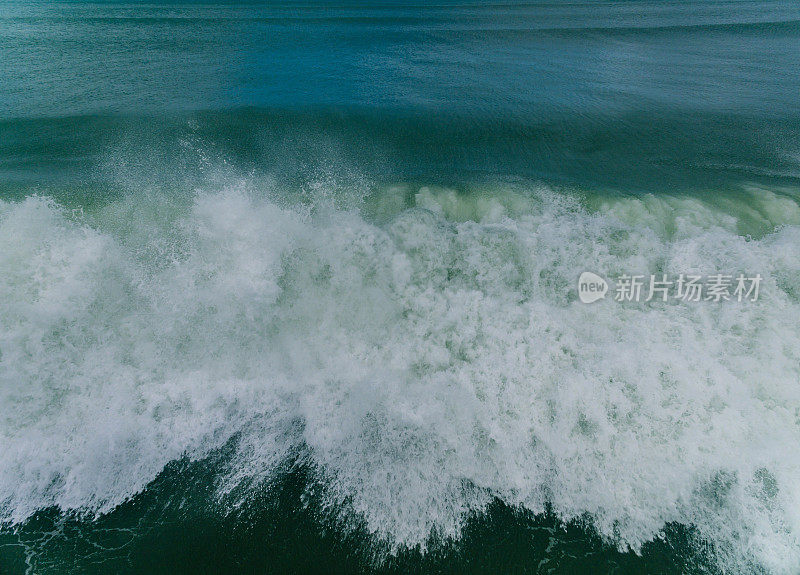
{"type": "Point", "coordinates": [425, 364]}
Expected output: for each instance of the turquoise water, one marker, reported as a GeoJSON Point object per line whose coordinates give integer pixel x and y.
{"type": "Point", "coordinates": [292, 288]}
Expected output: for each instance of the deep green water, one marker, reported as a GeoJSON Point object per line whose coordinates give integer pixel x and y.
{"type": "Point", "coordinates": [291, 288]}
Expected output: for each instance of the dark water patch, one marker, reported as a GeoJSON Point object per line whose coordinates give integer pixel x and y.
{"type": "Point", "coordinates": [179, 525]}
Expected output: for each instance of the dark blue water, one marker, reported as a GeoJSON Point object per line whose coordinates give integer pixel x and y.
{"type": "Point", "coordinates": [532, 60]}
{"type": "Point", "coordinates": [623, 95]}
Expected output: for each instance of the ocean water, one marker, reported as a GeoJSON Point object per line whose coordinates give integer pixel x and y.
{"type": "Point", "coordinates": [292, 288]}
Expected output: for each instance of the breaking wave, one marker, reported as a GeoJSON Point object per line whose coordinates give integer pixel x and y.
{"type": "Point", "coordinates": [424, 351]}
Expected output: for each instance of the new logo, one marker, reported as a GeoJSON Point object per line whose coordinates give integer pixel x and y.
{"type": "Point", "coordinates": [591, 287]}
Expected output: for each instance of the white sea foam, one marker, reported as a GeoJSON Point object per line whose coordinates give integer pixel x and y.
{"type": "Point", "coordinates": [426, 363]}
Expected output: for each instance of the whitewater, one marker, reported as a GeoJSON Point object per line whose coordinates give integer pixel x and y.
{"type": "Point", "coordinates": [421, 348]}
